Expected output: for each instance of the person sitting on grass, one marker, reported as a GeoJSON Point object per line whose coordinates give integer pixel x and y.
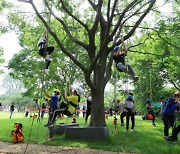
{"type": "Point", "coordinates": [119, 59]}
{"type": "Point", "coordinates": [150, 111]}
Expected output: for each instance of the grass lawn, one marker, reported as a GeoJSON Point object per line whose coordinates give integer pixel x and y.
{"type": "Point", "coordinates": [145, 139]}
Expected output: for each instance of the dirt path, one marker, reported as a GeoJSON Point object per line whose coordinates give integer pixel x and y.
{"type": "Point", "coordinates": [20, 148]}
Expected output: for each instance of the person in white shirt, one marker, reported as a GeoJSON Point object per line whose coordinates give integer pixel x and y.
{"type": "Point", "coordinates": [45, 51]}
{"type": "Point", "coordinates": [129, 106]}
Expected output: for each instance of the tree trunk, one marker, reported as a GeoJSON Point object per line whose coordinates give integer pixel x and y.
{"type": "Point", "coordinates": [97, 107]}
{"type": "Point", "coordinates": [97, 111]}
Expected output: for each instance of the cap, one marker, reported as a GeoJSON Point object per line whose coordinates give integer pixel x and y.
{"type": "Point", "coordinates": [148, 100]}
{"type": "Point", "coordinates": [57, 91]}
{"type": "Point", "coordinates": [116, 48]}
{"type": "Point", "coordinates": [170, 100]}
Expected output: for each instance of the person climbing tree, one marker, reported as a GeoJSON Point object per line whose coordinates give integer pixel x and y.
{"type": "Point", "coordinates": [70, 108]}
{"type": "Point", "coordinates": [53, 103]}
{"type": "Point", "coordinates": [45, 50]}
{"type": "Point", "coordinates": [119, 59]}
{"type": "Point", "coordinates": [150, 110]}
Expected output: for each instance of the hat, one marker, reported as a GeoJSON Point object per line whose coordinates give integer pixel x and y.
{"type": "Point", "coordinates": [79, 90]}
{"type": "Point", "coordinates": [57, 91]}
{"type": "Point", "coordinates": [130, 98]}
{"type": "Point", "coordinates": [170, 100]}
{"type": "Point", "coordinates": [116, 48]}
{"type": "Point", "coordinates": [148, 100]}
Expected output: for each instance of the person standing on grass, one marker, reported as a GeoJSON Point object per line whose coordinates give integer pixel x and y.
{"type": "Point", "coordinates": [11, 110]}
{"type": "Point", "coordinates": [43, 108]}
{"type": "Point", "coordinates": [129, 106]}
{"type": "Point", "coordinates": [88, 111]}
{"type": "Point", "coordinates": [169, 114]}
{"type": "Point", "coordinates": [124, 112]}
{"type": "Point", "coordinates": [83, 111]}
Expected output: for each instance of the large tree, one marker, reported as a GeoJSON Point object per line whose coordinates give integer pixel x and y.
{"type": "Point", "coordinates": [100, 22]}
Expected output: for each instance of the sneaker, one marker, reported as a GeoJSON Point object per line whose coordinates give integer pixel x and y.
{"type": "Point", "coordinates": [49, 124]}
{"type": "Point", "coordinates": [50, 139]}
{"type": "Point", "coordinates": [122, 125]}
{"type": "Point", "coordinates": [170, 140]}
{"type": "Point", "coordinates": [132, 130]}
{"type": "Point", "coordinates": [135, 78]}
{"type": "Point", "coordinates": [46, 71]}
{"type": "Point", "coordinates": [166, 138]}
{"type": "Point", "coordinates": [46, 125]}
{"type": "Point", "coordinates": [154, 124]}
{"type": "Point", "coordinates": [174, 138]}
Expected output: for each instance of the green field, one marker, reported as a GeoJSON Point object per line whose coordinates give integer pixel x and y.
{"type": "Point", "coordinates": [145, 138]}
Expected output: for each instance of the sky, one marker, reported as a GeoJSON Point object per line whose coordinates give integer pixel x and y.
{"type": "Point", "coordinates": [9, 41]}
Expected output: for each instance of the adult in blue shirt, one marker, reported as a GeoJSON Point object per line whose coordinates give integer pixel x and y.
{"type": "Point", "coordinates": [53, 103]}
{"type": "Point", "coordinates": [169, 116]}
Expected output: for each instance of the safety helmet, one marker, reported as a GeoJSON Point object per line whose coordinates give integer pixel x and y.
{"type": "Point", "coordinates": [116, 48]}
{"type": "Point", "coordinates": [130, 98]}
{"type": "Point", "coordinates": [79, 90]}
{"type": "Point", "coordinates": [170, 100]}
{"type": "Point", "coordinates": [57, 91]}
{"type": "Point", "coordinates": [147, 100]}
{"type": "Point", "coordinates": [118, 100]}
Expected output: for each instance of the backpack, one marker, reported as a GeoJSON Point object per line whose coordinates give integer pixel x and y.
{"type": "Point", "coordinates": [17, 134]}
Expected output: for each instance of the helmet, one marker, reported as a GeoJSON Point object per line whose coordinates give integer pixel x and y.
{"type": "Point", "coordinates": [116, 48]}
{"type": "Point", "coordinates": [118, 100]}
{"type": "Point", "coordinates": [57, 91]}
{"type": "Point", "coordinates": [147, 100]}
{"type": "Point", "coordinates": [130, 97]}
{"type": "Point", "coordinates": [170, 100]}
{"type": "Point", "coordinates": [79, 90]}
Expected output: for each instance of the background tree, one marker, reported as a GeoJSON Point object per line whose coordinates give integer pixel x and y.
{"type": "Point", "coordinates": [10, 85]}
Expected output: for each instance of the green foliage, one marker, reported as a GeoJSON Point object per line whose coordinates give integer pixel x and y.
{"type": "Point", "coordinates": [28, 66]}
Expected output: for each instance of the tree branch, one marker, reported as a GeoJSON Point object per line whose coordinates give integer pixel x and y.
{"type": "Point", "coordinates": [139, 21]}
{"type": "Point", "coordinates": [74, 17]}
{"type": "Point", "coordinates": [65, 51]}
{"type": "Point", "coordinates": [75, 40]}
